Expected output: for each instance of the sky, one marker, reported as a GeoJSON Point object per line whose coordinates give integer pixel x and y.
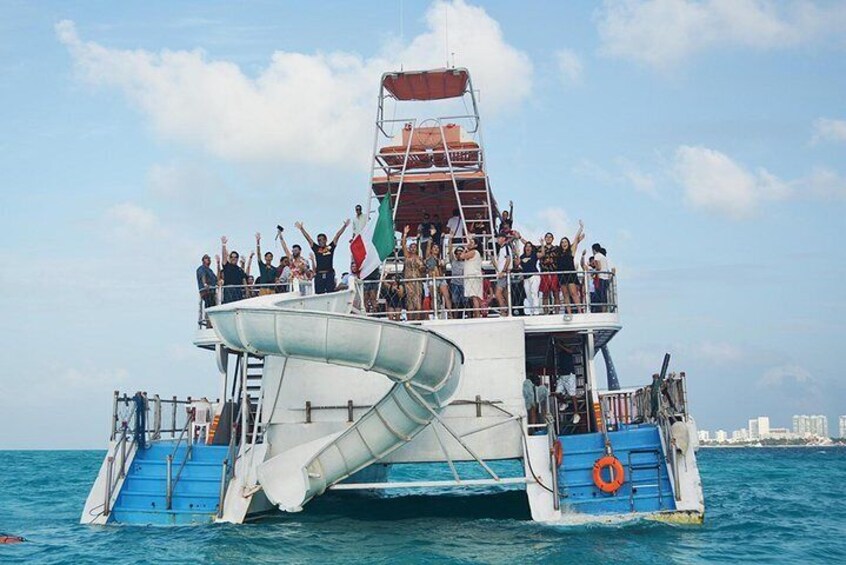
{"type": "Point", "coordinates": [702, 143]}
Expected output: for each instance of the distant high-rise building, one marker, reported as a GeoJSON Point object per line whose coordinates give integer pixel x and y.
{"type": "Point", "coordinates": [818, 425]}
{"type": "Point", "coordinates": [763, 426]}
{"type": "Point", "coordinates": [705, 435]}
{"type": "Point", "coordinates": [759, 427]}
{"type": "Point", "coordinates": [843, 426]}
{"type": "Point", "coordinates": [801, 425]}
{"type": "Point", "coordinates": [721, 436]}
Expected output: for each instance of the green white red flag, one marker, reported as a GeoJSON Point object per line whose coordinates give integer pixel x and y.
{"type": "Point", "coordinates": [376, 241]}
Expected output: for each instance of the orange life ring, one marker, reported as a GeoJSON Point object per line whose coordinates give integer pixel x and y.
{"type": "Point", "coordinates": [558, 451]}
{"type": "Point", "coordinates": [618, 475]}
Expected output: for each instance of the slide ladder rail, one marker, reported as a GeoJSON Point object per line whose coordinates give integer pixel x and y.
{"type": "Point", "coordinates": [424, 366]}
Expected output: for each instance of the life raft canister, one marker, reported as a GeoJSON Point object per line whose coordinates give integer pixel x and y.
{"type": "Point", "coordinates": [618, 476]}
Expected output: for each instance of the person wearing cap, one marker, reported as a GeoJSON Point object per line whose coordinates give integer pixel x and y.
{"type": "Point", "coordinates": [206, 282]}
{"type": "Point", "coordinates": [456, 281]}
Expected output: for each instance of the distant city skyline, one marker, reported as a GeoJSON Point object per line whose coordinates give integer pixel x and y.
{"type": "Point", "coordinates": [759, 427]}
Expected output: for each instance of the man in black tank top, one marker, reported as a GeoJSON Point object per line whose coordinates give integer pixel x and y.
{"type": "Point", "coordinates": [324, 256]}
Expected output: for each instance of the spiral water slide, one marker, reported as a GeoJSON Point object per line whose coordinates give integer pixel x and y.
{"type": "Point", "coordinates": [424, 366]}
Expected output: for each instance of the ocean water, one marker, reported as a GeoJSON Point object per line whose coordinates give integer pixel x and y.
{"type": "Point", "coordinates": [763, 505]}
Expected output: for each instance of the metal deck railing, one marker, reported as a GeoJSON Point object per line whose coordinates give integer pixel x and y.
{"type": "Point", "coordinates": [444, 297]}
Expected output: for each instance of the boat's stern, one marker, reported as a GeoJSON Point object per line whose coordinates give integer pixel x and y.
{"type": "Point", "coordinates": [640, 462]}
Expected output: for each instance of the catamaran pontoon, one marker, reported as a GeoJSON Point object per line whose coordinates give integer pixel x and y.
{"type": "Point", "coordinates": [323, 392]}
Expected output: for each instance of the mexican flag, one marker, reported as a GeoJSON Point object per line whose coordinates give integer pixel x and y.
{"type": "Point", "coordinates": [376, 241]}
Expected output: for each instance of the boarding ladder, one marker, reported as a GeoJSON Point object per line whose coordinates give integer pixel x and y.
{"type": "Point", "coordinates": [254, 394]}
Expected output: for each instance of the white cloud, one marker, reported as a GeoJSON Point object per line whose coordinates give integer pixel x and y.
{"type": "Point", "coordinates": [827, 129]}
{"type": "Point", "coordinates": [786, 375]}
{"type": "Point", "coordinates": [704, 354]}
{"type": "Point", "coordinates": [312, 108]}
{"type": "Point", "coordinates": [553, 220]}
{"type": "Point", "coordinates": [714, 182]}
{"type": "Point", "coordinates": [570, 66]}
{"type": "Point", "coordinates": [183, 180]}
{"type": "Point", "coordinates": [625, 173]}
{"type": "Point", "coordinates": [717, 353]}
{"type": "Point", "coordinates": [641, 181]}
{"type": "Point", "coordinates": [823, 183]}
{"type": "Point", "coordinates": [133, 221]}
{"type": "Point", "coordinates": [663, 33]}
{"type": "Point", "coordinates": [93, 378]}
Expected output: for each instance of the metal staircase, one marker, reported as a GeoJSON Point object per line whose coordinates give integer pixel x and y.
{"type": "Point", "coordinates": [196, 495]}
{"type": "Point", "coordinates": [647, 487]}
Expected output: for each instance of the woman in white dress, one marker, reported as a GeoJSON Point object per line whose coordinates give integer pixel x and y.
{"type": "Point", "coordinates": [473, 287]}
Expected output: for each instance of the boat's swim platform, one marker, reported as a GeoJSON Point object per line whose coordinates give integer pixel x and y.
{"type": "Point", "coordinates": [424, 366]}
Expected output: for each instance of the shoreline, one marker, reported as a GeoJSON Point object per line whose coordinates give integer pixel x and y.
{"type": "Point", "coordinates": [753, 446]}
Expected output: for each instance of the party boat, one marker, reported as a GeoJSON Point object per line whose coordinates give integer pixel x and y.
{"type": "Point", "coordinates": [317, 393]}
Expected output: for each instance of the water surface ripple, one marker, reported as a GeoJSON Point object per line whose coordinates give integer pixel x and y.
{"type": "Point", "coordinates": [763, 505]}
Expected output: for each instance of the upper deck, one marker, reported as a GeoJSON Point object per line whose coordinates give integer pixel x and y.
{"type": "Point", "coordinates": [428, 160]}
{"type": "Point", "coordinates": [597, 313]}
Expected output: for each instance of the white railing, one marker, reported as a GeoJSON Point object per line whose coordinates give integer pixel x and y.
{"type": "Point", "coordinates": [124, 450]}
{"type": "Point", "coordinates": [519, 294]}
{"type": "Point", "coordinates": [444, 297]}
{"type": "Point", "coordinates": [168, 415]}
{"type": "Point", "coordinates": [223, 294]}
{"type": "Point", "coordinates": [171, 482]}
{"type": "Point", "coordinates": [638, 405]}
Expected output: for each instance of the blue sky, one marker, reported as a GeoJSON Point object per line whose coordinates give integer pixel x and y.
{"type": "Point", "coordinates": [702, 143]}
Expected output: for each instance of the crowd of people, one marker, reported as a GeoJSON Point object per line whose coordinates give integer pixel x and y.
{"type": "Point", "coordinates": [448, 273]}
{"type": "Point", "coordinates": [442, 271]}
{"type": "Point", "coordinates": [233, 275]}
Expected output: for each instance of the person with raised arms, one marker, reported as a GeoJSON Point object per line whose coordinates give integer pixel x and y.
{"type": "Point", "coordinates": [267, 272]}
{"type": "Point", "coordinates": [234, 276]}
{"type": "Point", "coordinates": [324, 278]}
{"type": "Point", "coordinates": [296, 263]}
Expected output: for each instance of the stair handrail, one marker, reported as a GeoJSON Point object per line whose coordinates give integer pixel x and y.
{"type": "Point", "coordinates": [228, 471]}
{"type": "Point", "coordinates": [189, 442]}
{"type": "Point", "coordinates": [119, 447]}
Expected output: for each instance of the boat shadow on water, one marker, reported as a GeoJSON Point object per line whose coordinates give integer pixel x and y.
{"type": "Point", "coordinates": [501, 506]}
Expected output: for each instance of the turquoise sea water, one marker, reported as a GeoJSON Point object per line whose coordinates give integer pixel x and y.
{"type": "Point", "coordinates": [763, 505]}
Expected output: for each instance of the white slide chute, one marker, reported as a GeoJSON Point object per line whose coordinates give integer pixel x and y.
{"type": "Point", "coordinates": [424, 366]}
